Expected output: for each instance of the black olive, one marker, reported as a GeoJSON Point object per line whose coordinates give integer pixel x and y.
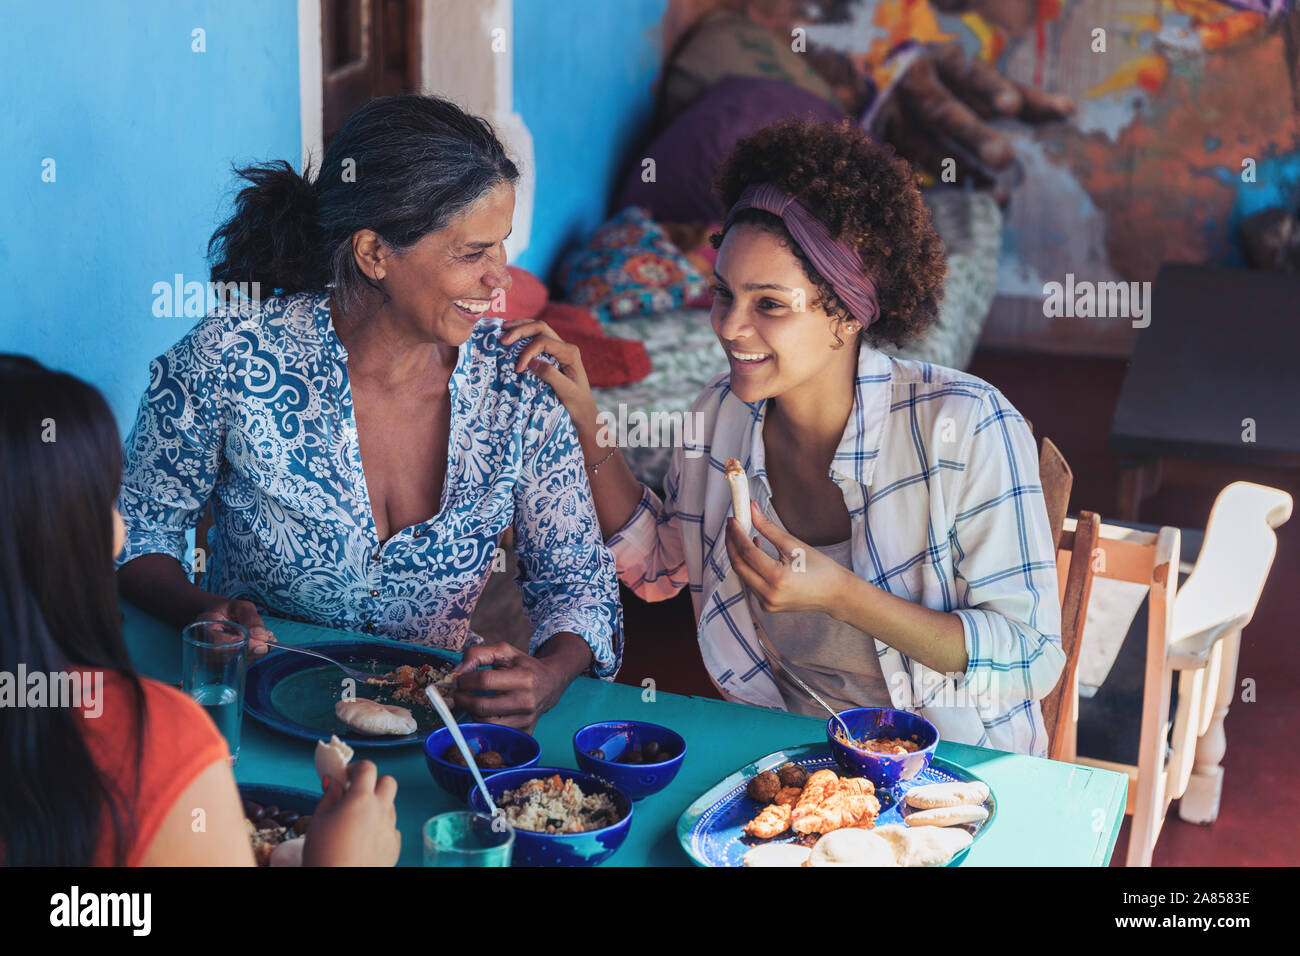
{"type": "Point", "coordinates": [598, 754]}
{"type": "Point", "coordinates": [288, 817]}
{"type": "Point", "coordinates": [253, 810]}
{"type": "Point", "coordinates": [300, 825]}
{"type": "Point", "coordinates": [272, 811]}
{"type": "Point", "coordinates": [633, 756]}
{"type": "Point", "coordinates": [651, 751]}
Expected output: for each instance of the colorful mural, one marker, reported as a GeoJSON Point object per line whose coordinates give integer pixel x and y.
{"type": "Point", "coordinates": [1187, 119]}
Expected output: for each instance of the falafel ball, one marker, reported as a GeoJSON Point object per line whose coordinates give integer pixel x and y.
{"type": "Point", "coordinates": [764, 787]}
{"type": "Point", "coordinates": [491, 760]}
{"type": "Point", "coordinates": [792, 775]}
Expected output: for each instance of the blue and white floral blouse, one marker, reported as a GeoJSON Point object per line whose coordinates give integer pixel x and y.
{"type": "Point", "coordinates": [253, 409]}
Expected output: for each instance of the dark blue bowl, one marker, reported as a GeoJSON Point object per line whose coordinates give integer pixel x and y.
{"type": "Point", "coordinates": [883, 770]}
{"type": "Point", "coordinates": [517, 748]}
{"type": "Point", "coordinates": [637, 780]}
{"type": "Point", "coordinates": [560, 849]}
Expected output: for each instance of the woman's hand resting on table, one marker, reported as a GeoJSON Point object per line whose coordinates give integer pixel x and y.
{"type": "Point", "coordinates": [803, 580]}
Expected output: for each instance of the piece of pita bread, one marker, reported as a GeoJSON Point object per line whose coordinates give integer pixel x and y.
{"type": "Point", "coordinates": [946, 817]}
{"type": "Point", "coordinates": [371, 717]}
{"type": "Point", "coordinates": [924, 846]}
{"type": "Point", "coordinates": [935, 795]}
{"type": "Point", "coordinates": [776, 854]}
{"type": "Point", "coordinates": [739, 483]}
{"type": "Point", "coordinates": [852, 847]}
{"type": "Point", "coordinates": [332, 760]}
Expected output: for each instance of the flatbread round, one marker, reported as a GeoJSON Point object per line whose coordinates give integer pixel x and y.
{"type": "Point", "coordinates": [776, 854]}
{"type": "Point", "coordinates": [371, 717]}
{"type": "Point", "coordinates": [924, 846]}
{"type": "Point", "coordinates": [852, 847]}
{"type": "Point", "coordinates": [934, 795]}
{"type": "Point", "coordinates": [946, 817]}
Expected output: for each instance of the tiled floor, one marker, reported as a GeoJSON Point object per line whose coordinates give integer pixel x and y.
{"type": "Point", "coordinates": [1260, 767]}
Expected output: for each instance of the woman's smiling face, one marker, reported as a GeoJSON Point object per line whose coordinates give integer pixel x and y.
{"type": "Point", "coordinates": [764, 315]}
{"type": "Point", "coordinates": [443, 285]}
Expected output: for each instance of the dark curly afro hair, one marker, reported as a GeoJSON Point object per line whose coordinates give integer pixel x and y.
{"type": "Point", "coordinates": [865, 195]}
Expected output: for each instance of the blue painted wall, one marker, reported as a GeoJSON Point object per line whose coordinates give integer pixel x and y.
{"type": "Point", "coordinates": [143, 132]}
{"type": "Point", "coordinates": [583, 82]}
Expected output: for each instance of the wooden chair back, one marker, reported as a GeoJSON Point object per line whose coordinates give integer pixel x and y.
{"type": "Point", "coordinates": [1075, 568]}
{"type": "Point", "coordinates": [1074, 578]}
{"type": "Point", "coordinates": [1057, 480]}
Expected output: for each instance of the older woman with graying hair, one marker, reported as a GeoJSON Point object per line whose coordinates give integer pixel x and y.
{"type": "Point", "coordinates": [362, 434]}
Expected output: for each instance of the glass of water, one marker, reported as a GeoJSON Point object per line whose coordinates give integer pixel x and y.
{"type": "Point", "coordinates": [214, 658]}
{"type": "Point", "coordinates": [466, 838]}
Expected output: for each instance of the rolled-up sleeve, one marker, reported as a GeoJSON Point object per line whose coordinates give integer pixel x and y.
{"type": "Point", "coordinates": [648, 548]}
{"type": "Point", "coordinates": [173, 453]}
{"type": "Point", "coordinates": [566, 574]}
{"type": "Point", "coordinates": [1004, 557]}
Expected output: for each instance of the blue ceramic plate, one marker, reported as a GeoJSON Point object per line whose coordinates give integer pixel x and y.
{"type": "Point", "coordinates": [710, 828]}
{"type": "Point", "coordinates": [295, 694]}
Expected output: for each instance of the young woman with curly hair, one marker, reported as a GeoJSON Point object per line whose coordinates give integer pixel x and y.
{"type": "Point", "coordinates": [904, 556]}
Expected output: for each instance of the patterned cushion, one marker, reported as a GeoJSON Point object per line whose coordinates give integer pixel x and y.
{"type": "Point", "coordinates": [630, 268]}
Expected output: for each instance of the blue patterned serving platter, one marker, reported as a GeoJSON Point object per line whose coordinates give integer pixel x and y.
{"type": "Point", "coordinates": [710, 829]}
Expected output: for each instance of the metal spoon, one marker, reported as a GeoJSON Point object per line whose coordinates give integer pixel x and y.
{"type": "Point", "coordinates": [789, 672]}
{"type": "Point", "coordinates": [445, 713]}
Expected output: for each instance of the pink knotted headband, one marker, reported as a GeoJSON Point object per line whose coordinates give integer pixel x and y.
{"type": "Point", "coordinates": [836, 262]}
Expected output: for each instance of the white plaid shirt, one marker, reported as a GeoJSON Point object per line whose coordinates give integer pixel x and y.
{"type": "Point", "coordinates": [940, 477]}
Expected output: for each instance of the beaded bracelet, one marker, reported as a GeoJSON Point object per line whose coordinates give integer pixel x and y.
{"type": "Point", "coordinates": [602, 461]}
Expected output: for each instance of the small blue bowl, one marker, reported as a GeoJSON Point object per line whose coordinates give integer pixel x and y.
{"type": "Point", "coordinates": [560, 849]}
{"type": "Point", "coordinates": [884, 770]}
{"type": "Point", "coordinates": [517, 748]}
{"type": "Point", "coordinates": [613, 737]}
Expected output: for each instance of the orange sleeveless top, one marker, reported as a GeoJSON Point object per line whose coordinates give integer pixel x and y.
{"type": "Point", "coordinates": [180, 742]}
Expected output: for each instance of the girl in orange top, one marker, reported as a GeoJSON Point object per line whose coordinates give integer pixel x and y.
{"type": "Point", "coordinates": [116, 780]}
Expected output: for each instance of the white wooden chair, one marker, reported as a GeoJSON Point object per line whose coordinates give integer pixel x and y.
{"type": "Point", "coordinates": [1194, 631]}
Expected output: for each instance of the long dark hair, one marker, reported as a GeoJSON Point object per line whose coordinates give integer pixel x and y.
{"type": "Point", "coordinates": [403, 166]}
{"type": "Point", "coordinates": [60, 468]}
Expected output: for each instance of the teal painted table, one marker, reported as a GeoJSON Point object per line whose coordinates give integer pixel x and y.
{"type": "Point", "coordinates": [1049, 813]}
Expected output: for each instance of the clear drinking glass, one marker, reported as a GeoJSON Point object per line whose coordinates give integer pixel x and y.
{"type": "Point", "coordinates": [466, 838]}
{"type": "Point", "coordinates": [214, 659]}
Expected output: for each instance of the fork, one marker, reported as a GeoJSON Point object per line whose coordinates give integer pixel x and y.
{"type": "Point", "coordinates": [352, 672]}
{"type": "Point", "coordinates": [789, 672]}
